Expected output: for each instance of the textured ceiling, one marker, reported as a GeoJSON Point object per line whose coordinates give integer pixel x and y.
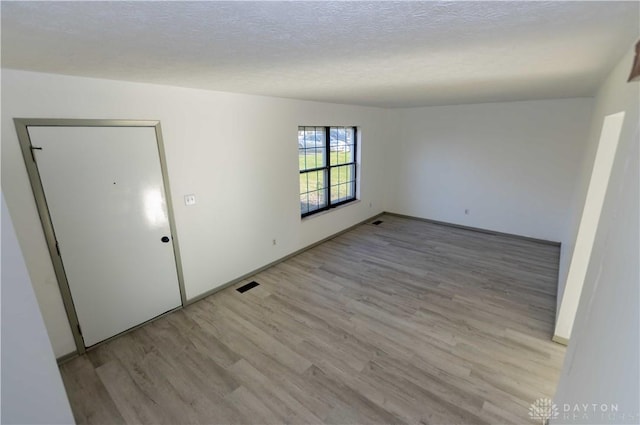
{"type": "Point", "coordinates": [390, 54]}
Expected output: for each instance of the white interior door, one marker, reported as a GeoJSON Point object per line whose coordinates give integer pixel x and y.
{"type": "Point", "coordinates": [106, 199]}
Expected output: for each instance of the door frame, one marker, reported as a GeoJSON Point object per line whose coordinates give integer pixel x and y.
{"type": "Point", "coordinates": [22, 125]}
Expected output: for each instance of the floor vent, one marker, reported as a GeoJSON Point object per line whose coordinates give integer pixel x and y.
{"type": "Point", "coordinates": [377, 222]}
{"type": "Point", "coordinates": [248, 286]}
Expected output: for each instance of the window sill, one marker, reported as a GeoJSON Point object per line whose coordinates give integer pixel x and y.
{"type": "Point", "coordinates": [329, 211]}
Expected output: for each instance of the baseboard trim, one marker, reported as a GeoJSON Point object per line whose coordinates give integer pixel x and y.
{"type": "Point", "coordinates": [475, 229]}
{"type": "Point", "coordinates": [66, 357]}
{"type": "Point", "coordinates": [560, 340]}
{"type": "Point", "coordinates": [278, 261]}
{"type": "Point", "coordinates": [71, 356]}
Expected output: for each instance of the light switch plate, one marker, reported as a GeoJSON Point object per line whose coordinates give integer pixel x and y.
{"type": "Point", "coordinates": [189, 200]}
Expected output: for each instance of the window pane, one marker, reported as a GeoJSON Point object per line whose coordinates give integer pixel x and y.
{"type": "Point", "coordinates": [342, 174]}
{"type": "Point", "coordinates": [341, 145]}
{"type": "Point", "coordinates": [317, 180]}
{"type": "Point", "coordinates": [311, 149]}
{"type": "Point", "coordinates": [313, 191]}
{"type": "Point", "coordinates": [342, 183]}
{"type": "Point", "coordinates": [350, 190]}
{"type": "Point", "coordinates": [342, 192]}
{"type": "Point", "coordinates": [310, 159]}
{"type": "Point", "coordinates": [317, 200]}
{"type": "Point", "coordinates": [333, 136]}
{"type": "Point", "coordinates": [319, 157]}
{"type": "Point", "coordinates": [304, 180]}
{"type": "Point", "coordinates": [304, 204]}
{"type": "Point", "coordinates": [349, 147]}
{"type": "Point", "coordinates": [333, 143]}
{"type": "Point", "coordinates": [312, 180]}
{"type": "Point", "coordinates": [337, 193]}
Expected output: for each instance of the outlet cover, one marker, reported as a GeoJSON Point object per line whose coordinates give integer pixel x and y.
{"type": "Point", "coordinates": [189, 200]}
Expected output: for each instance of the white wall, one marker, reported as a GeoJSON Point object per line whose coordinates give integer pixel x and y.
{"type": "Point", "coordinates": [602, 362]}
{"type": "Point", "coordinates": [32, 390]}
{"type": "Point", "coordinates": [594, 202]}
{"type": "Point", "coordinates": [614, 96]}
{"type": "Point", "coordinates": [237, 153]}
{"type": "Point", "coordinates": [513, 165]}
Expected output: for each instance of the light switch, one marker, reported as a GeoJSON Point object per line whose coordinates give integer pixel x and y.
{"type": "Point", "coordinates": [189, 200]}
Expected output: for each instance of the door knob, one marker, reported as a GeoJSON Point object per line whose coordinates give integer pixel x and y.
{"type": "Point", "coordinates": [165, 239]}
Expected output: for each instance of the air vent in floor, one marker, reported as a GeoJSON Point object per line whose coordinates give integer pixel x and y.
{"type": "Point", "coordinates": [245, 288]}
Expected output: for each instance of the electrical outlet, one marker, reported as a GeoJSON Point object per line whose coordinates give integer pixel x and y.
{"type": "Point", "coordinates": [466, 211]}
{"type": "Point", "coordinates": [370, 204]}
{"type": "Point", "coordinates": [189, 199]}
{"type": "Point", "coordinates": [274, 242]}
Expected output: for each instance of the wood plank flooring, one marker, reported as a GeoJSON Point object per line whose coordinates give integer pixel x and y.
{"type": "Point", "coordinates": [405, 322]}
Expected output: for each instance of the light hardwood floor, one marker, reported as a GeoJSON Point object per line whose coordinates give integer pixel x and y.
{"type": "Point", "coordinates": [405, 322]}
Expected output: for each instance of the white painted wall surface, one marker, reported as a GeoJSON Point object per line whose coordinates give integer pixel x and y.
{"type": "Point", "coordinates": [236, 153]}
{"type": "Point", "coordinates": [32, 390]}
{"type": "Point", "coordinates": [602, 361]}
{"type": "Point", "coordinates": [613, 96]}
{"type": "Point", "coordinates": [593, 205]}
{"type": "Point", "coordinates": [512, 165]}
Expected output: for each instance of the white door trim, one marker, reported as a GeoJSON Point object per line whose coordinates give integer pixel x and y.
{"type": "Point", "coordinates": [22, 125]}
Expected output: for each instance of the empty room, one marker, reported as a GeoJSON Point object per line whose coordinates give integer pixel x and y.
{"type": "Point", "coordinates": [329, 212]}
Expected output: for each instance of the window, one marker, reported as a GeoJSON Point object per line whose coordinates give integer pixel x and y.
{"type": "Point", "coordinates": [327, 159]}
